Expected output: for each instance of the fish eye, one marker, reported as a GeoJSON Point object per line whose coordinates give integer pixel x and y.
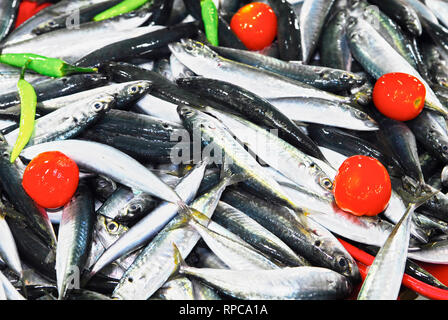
{"type": "Point", "coordinates": [312, 165]}
{"type": "Point", "coordinates": [342, 262]}
{"type": "Point", "coordinates": [445, 148]}
{"type": "Point", "coordinates": [360, 115]}
{"type": "Point", "coordinates": [134, 207]}
{"type": "Point", "coordinates": [133, 89]}
{"type": "Point", "coordinates": [327, 184]}
{"type": "Point", "coordinates": [112, 226]}
{"type": "Point", "coordinates": [189, 48]}
{"type": "Point", "coordinates": [187, 113]}
{"type": "Point", "coordinates": [5, 155]}
{"type": "Point", "coordinates": [98, 106]}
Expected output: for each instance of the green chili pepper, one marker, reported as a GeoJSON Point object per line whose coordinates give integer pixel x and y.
{"type": "Point", "coordinates": [210, 19]}
{"type": "Point", "coordinates": [121, 8]}
{"type": "Point", "coordinates": [28, 102]}
{"type": "Point", "coordinates": [50, 67]}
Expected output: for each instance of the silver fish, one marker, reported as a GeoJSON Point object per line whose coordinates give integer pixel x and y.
{"type": "Point", "coordinates": [383, 281]}
{"type": "Point", "coordinates": [207, 63]}
{"type": "Point", "coordinates": [312, 18]}
{"type": "Point", "coordinates": [322, 111]}
{"type": "Point", "coordinates": [298, 283]}
{"type": "Point", "coordinates": [75, 238]}
{"type": "Point", "coordinates": [66, 122]}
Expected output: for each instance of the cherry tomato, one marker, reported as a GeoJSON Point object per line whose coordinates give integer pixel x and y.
{"type": "Point", "coordinates": [27, 9]}
{"type": "Point", "coordinates": [362, 186]}
{"type": "Point", "coordinates": [51, 179]}
{"type": "Point", "coordinates": [399, 96]}
{"type": "Point", "coordinates": [255, 25]}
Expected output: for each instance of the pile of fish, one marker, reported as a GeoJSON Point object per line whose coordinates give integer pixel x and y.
{"type": "Point", "coordinates": [206, 171]}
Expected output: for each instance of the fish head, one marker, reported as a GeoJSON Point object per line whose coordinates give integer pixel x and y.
{"type": "Point", "coordinates": [364, 118]}
{"type": "Point", "coordinates": [352, 28]}
{"type": "Point", "coordinates": [341, 261]}
{"type": "Point", "coordinates": [188, 51]}
{"type": "Point", "coordinates": [186, 113]}
{"type": "Point", "coordinates": [102, 103]}
{"type": "Point", "coordinates": [138, 88]}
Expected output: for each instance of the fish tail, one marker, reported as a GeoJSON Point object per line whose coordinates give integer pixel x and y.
{"type": "Point", "coordinates": [422, 197]}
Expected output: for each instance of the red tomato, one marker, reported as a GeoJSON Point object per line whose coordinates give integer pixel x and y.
{"type": "Point", "coordinates": [362, 186]}
{"type": "Point", "coordinates": [399, 96]}
{"type": "Point", "coordinates": [51, 179]}
{"type": "Point", "coordinates": [27, 9]}
{"type": "Point", "coordinates": [255, 25]}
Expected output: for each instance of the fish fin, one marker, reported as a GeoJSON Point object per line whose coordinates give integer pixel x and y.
{"type": "Point", "coordinates": [179, 262]}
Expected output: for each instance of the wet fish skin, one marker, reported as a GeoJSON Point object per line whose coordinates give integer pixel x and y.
{"type": "Point", "coordinates": [238, 255]}
{"type": "Point", "coordinates": [390, 31]}
{"type": "Point", "coordinates": [8, 15]}
{"type": "Point", "coordinates": [24, 31]}
{"type": "Point", "coordinates": [299, 283]}
{"type": "Point", "coordinates": [215, 136]}
{"type": "Point", "coordinates": [10, 292]}
{"type": "Point", "coordinates": [334, 50]}
{"type": "Point", "coordinates": [86, 14]}
{"type": "Point", "coordinates": [288, 30]}
{"type": "Point", "coordinates": [143, 149]}
{"type": "Point", "coordinates": [138, 46]}
{"type": "Point", "coordinates": [254, 107]}
{"type": "Point", "coordinates": [283, 157]}
{"type": "Point", "coordinates": [312, 18]}
{"type": "Point", "coordinates": [92, 36]}
{"type": "Point", "coordinates": [138, 125]}
{"type": "Point", "coordinates": [54, 88]}
{"type": "Point", "coordinates": [402, 142]}
{"type": "Point", "coordinates": [125, 94]}
{"type": "Point", "coordinates": [205, 62]}
{"type": "Point", "coordinates": [310, 110]}
{"type": "Point", "coordinates": [160, 88]}
{"type": "Point", "coordinates": [324, 78]}
{"type": "Point", "coordinates": [439, 8]}
{"type": "Point", "coordinates": [403, 13]}
{"type": "Point", "coordinates": [430, 134]}
{"type": "Point", "coordinates": [383, 280]}
{"type": "Point", "coordinates": [67, 122]}
{"type": "Point", "coordinates": [256, 235]}
{"type": "Point", "coordinates": [75, 237]}
{"type": "Point", "coordinates": [180, 288]}
{"type": "Point", "coordinates": [125, 206]}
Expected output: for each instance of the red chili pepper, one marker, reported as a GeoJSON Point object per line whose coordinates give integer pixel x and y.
{"type": "Point", "coordinates": [27, 9]}
{"type": "Point", "coordinates": [364, 260]}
